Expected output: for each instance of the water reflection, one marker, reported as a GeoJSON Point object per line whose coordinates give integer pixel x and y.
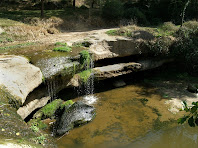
{"type": "Point", "coordinates": [178, 137]}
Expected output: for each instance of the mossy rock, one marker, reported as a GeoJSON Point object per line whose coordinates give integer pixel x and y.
{"type": "Point", "coordinates": [66, 104]}
{"type": "Point", "coordinates": [85, 75]}
{"type": "Point", "coordinates": [63, 49]}
{"type": "Point", "coordinates": [85, 59]}
{"type": "Point", "coordinates": [60, 44]}
{"type": "Point", "coordinates": [49, 110]}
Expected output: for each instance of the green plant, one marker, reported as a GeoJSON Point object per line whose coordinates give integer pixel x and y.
{"type": "Point", "coordinates": [66, 104]}
{"type": "Point", "coordinates": [40, 140]}
{"type": "Point", "coordinates": [34, 128]}
{"type": "Point", "coordinates": [60, 44]}
{"type": "Point", "coordinates": [85, 59]}
{"type": "Point", "coordinates": [85, 75]}
{"type": "Point", "coordinates": [112, 32]}
{"type": "Point", "coordinates": [192, 117]}
{"type": "Point", "coordinates": [63, 49]}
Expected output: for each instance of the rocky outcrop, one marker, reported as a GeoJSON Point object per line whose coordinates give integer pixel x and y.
{"type": "Point", "coordinates": [115, 70]}
{"type": "Point", "coordinates": [31, 106]}
{"type": "Point", "coordinates": [78, 114]}
{"type": "Point", "coordinates": [105, 72]}
{"type": "Point", "coordinates": [19, 77]}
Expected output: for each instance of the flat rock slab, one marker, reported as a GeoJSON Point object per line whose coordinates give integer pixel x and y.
{"type": "Point", "coordinates": [115, 70]}
{"type": "Point", "coordinates": [18, 76]}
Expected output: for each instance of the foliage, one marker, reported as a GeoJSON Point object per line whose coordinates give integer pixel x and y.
{"type": "Point", "coordinates": [85, 75]}
{"type": "Point", "coordinates": [40, 140]}
{"type": "Point", "coordinates": [37, 124]}
{"type": "Point", "coordinates": [112, 32]}
{"type": "Point", "coordinates": [166, 29]}
{"type": "Point", "coordinates": [66, 104]}
{"type": "Point", "coordinates": [48, 111]}
{"type": "Point", "coordinates": [63, 49]}
{"type": "Point", "coordinates": [192, 117]}
{"type": "Point", "coordinates": [186, 46]}
{"type": "Point", "coordinates": [112, 10]}
{"type": "Point", "coordinates": [60, 44]}
{"type": "Point", "coordinates": [34, 128]}
{"type": "Point", "coordinates": [85, 59]}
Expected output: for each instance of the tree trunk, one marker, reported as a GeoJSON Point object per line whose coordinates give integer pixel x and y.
{"type": "Point", "coordinates": [74, 4]}
{"type": "Point", "coordinates": [92, 4]}
{"type": "Point", "coordinates": [184, 11]}
{"type": "Point", "coordinates": [42, 8]}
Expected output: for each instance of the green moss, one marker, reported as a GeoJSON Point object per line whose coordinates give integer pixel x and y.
{"type": "Point", "coordinates": [84, 75]}
{"type": "Point", "coordinates": [63, 49]}
{"type": "Point", "coordinates": [60, 44]}
{"type": "Point", "coordinates": [66, 104]}
{"type": "Point", "coordinates": [112, 32]}
{"type": "Point", "coordinates": [49, 110]}
{"type": "Point", "coordinates": [85, 59]}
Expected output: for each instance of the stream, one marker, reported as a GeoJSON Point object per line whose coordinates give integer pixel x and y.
{"type": "Point", "coordinates": [130, 116]}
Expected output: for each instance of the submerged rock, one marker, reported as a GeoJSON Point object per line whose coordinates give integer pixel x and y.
{"type": "Point", "coordinates": [119, 83]}
{"type": "Point", "coordinates": [78, 114]}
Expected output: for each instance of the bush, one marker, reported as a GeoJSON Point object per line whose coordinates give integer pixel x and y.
{"type": "Point", "coordinates": [112, 10]}
{"type": "Point", "coordinates": [186, 47]}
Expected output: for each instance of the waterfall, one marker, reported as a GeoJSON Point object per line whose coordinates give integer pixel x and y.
{"type": "Point", "coordinates": [89, 97]}
{"type": "Point", "coordinates": [51, 88]}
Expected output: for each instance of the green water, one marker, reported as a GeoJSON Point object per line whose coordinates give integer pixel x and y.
{"type": "Point", "coordinates": [125, 119]}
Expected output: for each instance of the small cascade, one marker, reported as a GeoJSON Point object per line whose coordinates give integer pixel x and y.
{"type": "Point", "coordinates": [88, 88]}
{"type": "Point", "coordinates": [51, 87]}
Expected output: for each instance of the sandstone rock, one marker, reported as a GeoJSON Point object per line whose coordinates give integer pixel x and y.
{"type": "Point", "coordinates": [30, 107]}
{"type": "Point", "coordinates": [115, 70]}
{"type": "Point", "coordinates": [18, 76]}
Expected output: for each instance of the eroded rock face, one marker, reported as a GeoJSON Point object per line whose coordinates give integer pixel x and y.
{"type": "Point", "coordinates": [78, 114]}
{"type": "Point", "coordinates": [18, 76]}
{"type": "Point", "coordinates": [30, 107]}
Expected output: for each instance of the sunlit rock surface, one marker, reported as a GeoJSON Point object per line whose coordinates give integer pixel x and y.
{"type": "Point", "coordinates": [18, 76]}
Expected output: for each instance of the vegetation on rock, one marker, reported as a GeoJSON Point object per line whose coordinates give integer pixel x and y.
{"type": "Point", "coordinates": [85, 75]}
{"type": "Point", "coordinates": [85, 59]}
{"type": "Point", "coordinates": [49, 110]}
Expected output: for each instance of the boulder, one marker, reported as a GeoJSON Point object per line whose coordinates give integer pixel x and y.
{"type": "Point", "coordinates": [31, 106]}
{"type": "Point", "coordinates": [18, 77]}
{"type": "Point", "coordinates": [77, 115]}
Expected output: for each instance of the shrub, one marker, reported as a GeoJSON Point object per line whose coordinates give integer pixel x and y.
{"type": "Point", "coordinates": [186, 47]}
{"type": "Point", "coordinates": [112, 10]}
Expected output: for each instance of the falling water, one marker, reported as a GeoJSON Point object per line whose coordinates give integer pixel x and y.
{"type": "Point", "coordinates": [51, 87]}
{"type": "Point", "coordinates": [88, 89]}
